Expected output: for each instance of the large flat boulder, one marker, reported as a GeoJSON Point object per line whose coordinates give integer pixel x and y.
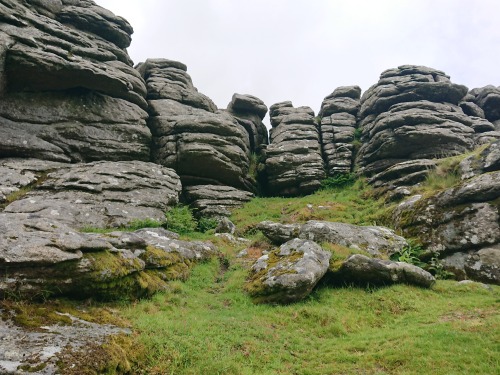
{"type": "Point", "coordinates": [99, 194]}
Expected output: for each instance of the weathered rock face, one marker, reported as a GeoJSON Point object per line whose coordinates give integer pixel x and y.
{"type": "Point", "coordinates": [289, 273]}
{"type": "Point", "coordinates": [43, 256]}
{"type": "Point", "coordinates": [250, 111]}
{"type": "Point", "coordinates": [203, 145]}
{"type": "Point", "coordinates": [96, 195]}
{"type": "Point", "coordinates": [338, 125]}
{"type": "Point", "coordinates": [360, 269]}
{"type": "Point", "coordinates": [215, 200]}
{"type": "Point", "coordinates": [372, 239]}
{"type": "Point", "coordinates": [68, 89]}
{"type": "Point", "coordinates": [462, 220]}
{"type": "Point", "coordinates": [412, 113]}
{"type": "Point", "coordinates": [293, 161]}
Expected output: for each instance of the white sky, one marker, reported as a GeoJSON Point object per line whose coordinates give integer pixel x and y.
{"type": "Point", "coordinates": [301, 50]}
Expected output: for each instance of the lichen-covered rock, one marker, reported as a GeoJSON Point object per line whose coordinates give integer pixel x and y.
{"type": "Point", "coordinates": [338, 126]}
{"type": "Point", "coordinates": [360, 269]}
{"type": "Point", "coordinates": [101, 194]}
{"type": "Point", "coordinates": [488, 160]}
{"type": "Point", "coordinates": [215, 200]}
{"type": "Point", "coordinates": [457, 223]}
{"type": "Point", "coordinates": [43, 256]}
{"type": "Point", "coordinates": [375, 240]}
{"type": "Point", "coordinates": [203, 145]}
{"type": "Point", "coordinates": [413, 113]}
{"type": "Point", "coordinates": [293, 160]}
{"type": "Point", "coordinates": [287, 274]}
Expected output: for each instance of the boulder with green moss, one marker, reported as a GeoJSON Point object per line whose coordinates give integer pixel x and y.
{"type": "Point", "coordinates": [43, 257]}
{"type": "Point", "coordinates": [287, 274]}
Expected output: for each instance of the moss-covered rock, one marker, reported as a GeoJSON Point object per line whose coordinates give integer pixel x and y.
{"type": "Point", "coordinates": [287, 274]}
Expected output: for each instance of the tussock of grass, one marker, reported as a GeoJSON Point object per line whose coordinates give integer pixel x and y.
{"type": "Point", "coordinates": [208, 326]}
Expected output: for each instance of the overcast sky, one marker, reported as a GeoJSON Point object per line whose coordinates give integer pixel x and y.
{"type": "Point", "coordinates": [301, 50]}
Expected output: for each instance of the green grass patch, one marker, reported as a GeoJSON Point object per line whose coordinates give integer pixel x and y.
{"type": "Point", "coordinates": [209, 326]}
{"type": "Point", "coordinates": [354, 204]}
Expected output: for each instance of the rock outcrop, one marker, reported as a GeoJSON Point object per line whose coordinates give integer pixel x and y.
{"type": "Point", "coordinates": [338, 128]}
{"type": "Point", "coordinates": [461, 224]}
{"type": "Point", "coordinates": [293, 161]}
{"type": "Point", "coordinates": [96, 195]}
{"type": "Point", "coordinates": [412, 113]}
{"type": "Point", "coordinates": [372, 239]}
{"type": "Point", "coordinates": [287, 274]}
{"type": "Point", "coordinates": [68, 89]}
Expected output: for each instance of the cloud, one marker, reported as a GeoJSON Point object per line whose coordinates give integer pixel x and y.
{"type": "Point", "coordinates": [302, 50]}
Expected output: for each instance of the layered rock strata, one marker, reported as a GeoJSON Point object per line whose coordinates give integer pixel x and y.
{"type": "Point", "coordinates": [412, 113]}
{"type": "Point", "coordinates": [338, 128]}
{"type": "Point", "coordinates": [203, 145]}
{"type": "Point", "coordinates": [293, 161]}
{"type": "Point", "coordinates": [68, 89]}
{"type": "Point", "coordinates": [96, 195]}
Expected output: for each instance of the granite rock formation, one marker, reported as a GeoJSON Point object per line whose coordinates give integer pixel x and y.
{"type": "Point", "coordinates": [293, 160]}
{"type": "Point", "coordinates": [68, 89]}
{"type": "Point", "coordinates": [203, 145]}
{"type": "Point", "coordinates": [338, 128]}
{"type": "Point", "coordinates": [412, 113]}
{"type": "Point", "coordinates": [461, 224]}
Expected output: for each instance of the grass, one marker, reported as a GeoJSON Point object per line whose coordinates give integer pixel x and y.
{"type": "Point", "coordinates": [354, 205]}
{"type": "Point", "coordinates": [208, 326]}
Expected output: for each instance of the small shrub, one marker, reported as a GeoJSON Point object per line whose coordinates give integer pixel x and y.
{"type": "Point", "coordinates": [409, 254]}
{"type": "Point", "coordinates": [339, 180]}
{"type": "Point", "coordinates": [180, 219]}
{"type": "Point", "coordinates": [436, 267]}
{"type": "Point", "coordinates": [206, 224]}
{"type": "Point", "coordinates": [139, 224]}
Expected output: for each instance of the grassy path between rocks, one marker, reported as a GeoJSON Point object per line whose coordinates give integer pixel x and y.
{"type": "Point", "coordinates": [207, 325]}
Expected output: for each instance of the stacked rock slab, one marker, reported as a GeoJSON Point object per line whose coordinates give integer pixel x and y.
{"type": "Point", "coordinates": [293, 160]}
{"type": "Point", "coordinates": [68, 89]}
{"type": "Point", "coordinates": [206, 147]}
{"type": "Point", "coordinates": [411, 114]}
{"type": "Point", "coordinates": [338, 125]}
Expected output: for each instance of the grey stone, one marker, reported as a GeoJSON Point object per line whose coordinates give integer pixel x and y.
{"type": "Point", "coordinates": [361, 269]}
{"type": "Point", "coordinates": [488, 99]}
{"type": "Point", "coordinates": [102, 194]}
{"type": "Point", "coordinates": [215, 200]}
{"type": "Point", "coordinates": [375, 240]}
{"type": "Point", "coordinates": [488, 161]}
{"type": "Point", "coordinates": [293, 160]}
{"type": "Point", "coordinates": [289, 274]}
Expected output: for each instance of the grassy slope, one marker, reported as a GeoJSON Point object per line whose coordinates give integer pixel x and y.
{"type": "Point", "coordinates": [209, 326]}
